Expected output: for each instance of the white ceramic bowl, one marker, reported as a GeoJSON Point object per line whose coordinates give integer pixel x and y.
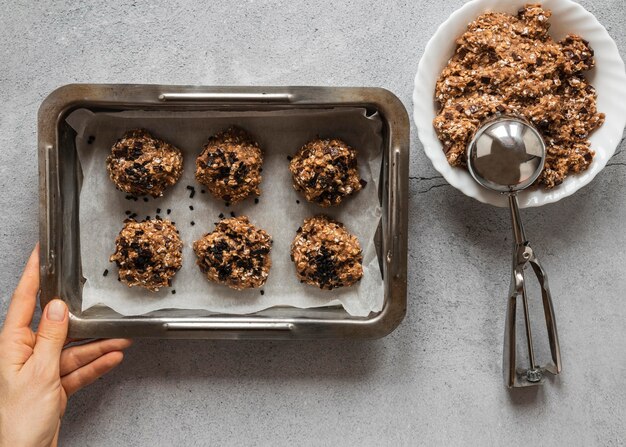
{"type": "Point", "coordinates": [608, 77]}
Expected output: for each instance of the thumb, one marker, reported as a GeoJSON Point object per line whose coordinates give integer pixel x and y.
{"type": "Point", "coordinates": [52, 333]}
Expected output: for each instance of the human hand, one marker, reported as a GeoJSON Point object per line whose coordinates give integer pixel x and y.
{"type": "Point", "coordinates": [37, 372]}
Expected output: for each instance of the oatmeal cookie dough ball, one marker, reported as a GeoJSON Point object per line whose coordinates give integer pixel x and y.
{"type": "Point", "coordinates": [236, 254]}
{"type": "Point", "coordinates": [141, 164]}
{"type": "Point", "coordinates": [230, 165]}
{"type": "Point", "coordinates": [326, 255]}
{"type": "Point", "coordinates": [148, 254]}
{"type": "Point", "coordinates": [325, 171]}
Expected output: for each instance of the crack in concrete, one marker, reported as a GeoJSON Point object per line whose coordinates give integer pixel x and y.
{"type": "Point", "coordinates": [616, 163]}
{"type": "Point", "coordinates": [433, 187]}
{"type": "Point", "coordinates": [418, 178]}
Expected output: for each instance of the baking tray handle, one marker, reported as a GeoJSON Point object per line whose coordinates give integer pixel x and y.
{"type": "Point", "coordinates": [224, 326]}
{"type": "Point", "coordinates": [227, 96]}
{"type": "Point", "coordinates": [396, 219]}
{"type": "Point", "coordinates": [50, 197]}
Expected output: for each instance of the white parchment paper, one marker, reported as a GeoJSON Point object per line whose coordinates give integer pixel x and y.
{"type": "Point", "coordinates": [280, 133]}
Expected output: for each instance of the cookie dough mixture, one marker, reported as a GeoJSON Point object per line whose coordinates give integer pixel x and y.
{"type": "Point", "coordinates": [230, 165]}
{"type": "Point", "coordinates": [325, 171]}
{"type": "Point", "coordinates": [326, 255]}
{"type": "Point", "coordinates": [509, 64]}
{"type": "Point", "coordinates": [236, 254]}
{"type": "Point", "coordinates": [148, 253]}
{"type": "Point", "coordinates": [141, 164]}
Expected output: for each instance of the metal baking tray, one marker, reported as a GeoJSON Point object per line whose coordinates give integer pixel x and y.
{"type": "Point", "coordinates": [60, 181]}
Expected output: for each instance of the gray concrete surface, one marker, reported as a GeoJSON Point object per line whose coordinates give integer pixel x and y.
{"type": "Point", "coordinates": [434, 381]}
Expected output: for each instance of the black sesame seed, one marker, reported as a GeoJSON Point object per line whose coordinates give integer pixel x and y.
{"type": "Point", "coordinates": [106, 272]}
{"type": "Point", "coordinates": [192, 223]}
{"type": "Point", "coordinates": [256, 200]}
{"type": "Point", "coordinates": [202, 191]}
{"type": "Point", "coordinates": [145, 199]}
{"type": "Point", "coordinates": [232, 213]}
{"type": "Point", "coordinates": [132, 216]}
{"type": "Point", "coordinates": [169, 211]}
{"type": "Point", "coordinates": [173, 223]}
{"type": "Point", "coordinates": [91, 139]}
{"type": "Point", "coordinates": [262, 292]}
{"type": "Point", "coordinates": [297, 201]}
{"type": "Point", "coordinates": [363, 183]}
{"type": "Point", "coordinates": [158, 210]}
{"type": "Point", "coordinates": [221, 216]}
{"type": "Point", "coordinates": [128, 212]}
{"type": "Point", "coordinates": [173, 292]}
{"type": "Point", "coordinates": [289, 157]}
{"type": "Point", "coordinates": [227, 204]}
{"type": "Point", "coordinates": [147, 217]}
{"type": "Point", "coordinates": [193, 191]}
{"type": "Point", "coordinates": [191, 207]}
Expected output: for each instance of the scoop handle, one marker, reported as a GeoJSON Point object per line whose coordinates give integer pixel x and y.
{"type": "Point", "coordinates": [523, 254]}
{"type": "Point", "coordinates": [518, 229]}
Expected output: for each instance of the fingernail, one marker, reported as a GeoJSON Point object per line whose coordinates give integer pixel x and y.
{"type": "Point", "coordinates": [56, 310]}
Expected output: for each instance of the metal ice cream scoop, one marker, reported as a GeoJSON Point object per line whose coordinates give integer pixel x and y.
{"type": "Point", "coordinates": [507, 154]}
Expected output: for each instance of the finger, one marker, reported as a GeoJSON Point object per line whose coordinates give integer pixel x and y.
{"type": "Point", "coordinates": [78, 356]}
{"type": "Point", "coordinates": [24, 299]}
{"type": "Point", "coordinates": [55, 440]}
{"type": "Point", "coordinates": [91, 372]}
{"type": "Point", "coordinates": [51, 335]}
